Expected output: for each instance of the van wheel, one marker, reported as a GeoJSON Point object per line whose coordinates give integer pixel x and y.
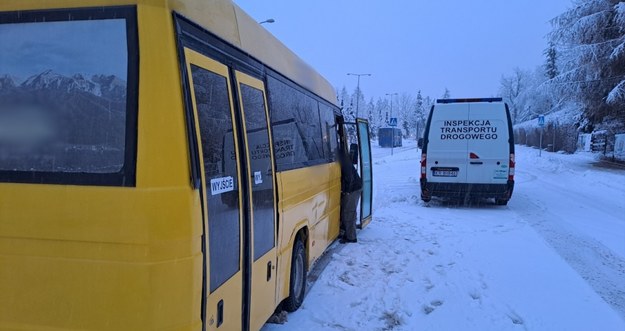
{"type": "Point", "coordinates": [501, 202]}
{"type": "Point", "coordinates": [297, 285]}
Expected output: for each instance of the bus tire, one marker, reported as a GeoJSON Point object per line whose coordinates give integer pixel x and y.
{"type": "Point", "coordinates": [297, 284]}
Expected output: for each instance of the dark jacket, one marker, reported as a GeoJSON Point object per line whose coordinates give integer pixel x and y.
{"type": "Point", "coordinates": [350, 180]}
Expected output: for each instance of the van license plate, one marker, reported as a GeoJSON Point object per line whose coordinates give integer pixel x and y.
{"type": "Point", "coordinates": [445, 173]}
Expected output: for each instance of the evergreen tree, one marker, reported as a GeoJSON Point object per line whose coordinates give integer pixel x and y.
{"type": "Point", "coordinates": [419, 118]}
{"type": "Point", "coordinates": [551, 67]}
{"type": "Point", "coordinates": [371, 116]}
{"type": "Point", "coordinates": [345, 102]}
{"type": "Point", "coordinates": [359, 103]}
{"type": "Point", "coordinates": [382, 107]}
{"type": "Point", "coordinates": [591, 40]}
{"type": "Point", "coordinates": [405, 112]}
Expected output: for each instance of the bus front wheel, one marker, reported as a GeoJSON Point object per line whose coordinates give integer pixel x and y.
{"type": "Point", "coordinates": [297, 284]}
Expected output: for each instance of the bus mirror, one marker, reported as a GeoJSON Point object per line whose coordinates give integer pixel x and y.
{"type": "Point", "coordinates": [353, 153]}
{"type": "Point", "coordinates": [420, 143]}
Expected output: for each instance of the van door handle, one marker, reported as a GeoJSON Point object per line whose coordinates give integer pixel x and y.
{"type": "Point", "coordinates": [477, 162]}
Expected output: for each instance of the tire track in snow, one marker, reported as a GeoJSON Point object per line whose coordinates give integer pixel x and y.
{"type": "Point", "coordinates": [603, 270]}
{"type": "Point", "coordinates": [612, 210]}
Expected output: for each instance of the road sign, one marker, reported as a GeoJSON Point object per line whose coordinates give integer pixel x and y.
{"type": "Point", "coordinates": [392, 121]}
{"type": "Point", "coordinates": [541, 120]}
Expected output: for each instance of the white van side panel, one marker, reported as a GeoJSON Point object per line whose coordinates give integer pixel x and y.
{"type": "Point", "coordinates": [490, 143]}
{"type": "Point", "coordinates": [443, 152]}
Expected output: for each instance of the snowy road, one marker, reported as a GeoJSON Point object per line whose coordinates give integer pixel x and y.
{"type": "Point", "coordinates": [553, 259]}
{"type": "Point", "coordinates": [580, 212]}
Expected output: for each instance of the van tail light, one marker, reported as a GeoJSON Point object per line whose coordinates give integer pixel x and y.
{"type": "Point", "coordinates": [511, 166]}
{"type": "Point", "coordinates": [423, 165]}
{"type": "Point", "coordinates": [473, 156]}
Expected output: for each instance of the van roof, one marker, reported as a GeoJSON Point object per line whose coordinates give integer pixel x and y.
{"type": "Point", "coordinates": [469, 100]}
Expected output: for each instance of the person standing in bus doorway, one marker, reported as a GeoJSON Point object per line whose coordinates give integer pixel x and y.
{"type": "Point", "coordinates": [351, 186]}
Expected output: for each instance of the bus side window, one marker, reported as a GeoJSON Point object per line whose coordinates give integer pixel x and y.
{"type": "Point", "coordinates": [296, 126]}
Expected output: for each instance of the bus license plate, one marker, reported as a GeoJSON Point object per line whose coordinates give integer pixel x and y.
{"type": "Point", "coordinates": [445, 173]}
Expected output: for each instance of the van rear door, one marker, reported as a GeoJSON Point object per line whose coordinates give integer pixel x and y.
{"type": "Point", "coordinates": [446, 154]}
{"type": "Point", "coordinates": [489, 146]}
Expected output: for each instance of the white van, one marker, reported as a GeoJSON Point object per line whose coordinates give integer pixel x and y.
{"type": "Point", "coordinates": [468, 150]}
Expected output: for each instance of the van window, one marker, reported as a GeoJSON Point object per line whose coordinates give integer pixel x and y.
{"type": "Point", "coordinates": [64, 101]}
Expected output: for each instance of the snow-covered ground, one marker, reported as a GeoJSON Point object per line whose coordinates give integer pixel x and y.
{"type": "Point", "coordinates": [553, 259]}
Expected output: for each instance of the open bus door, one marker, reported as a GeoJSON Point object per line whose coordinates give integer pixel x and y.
{"type": "Point", "coordinates": [360, 147]}
{"type": "Point", "coordinates": [366, 173]}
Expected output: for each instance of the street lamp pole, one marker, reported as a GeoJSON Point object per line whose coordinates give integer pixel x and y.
{"type": "Point", "coordinates": [357, 89]}
{"type": "Point", "coordinates": [392, 128]}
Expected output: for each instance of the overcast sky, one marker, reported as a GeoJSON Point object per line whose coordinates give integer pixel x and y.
{"type": "Point", "coordinates": [410, 45]}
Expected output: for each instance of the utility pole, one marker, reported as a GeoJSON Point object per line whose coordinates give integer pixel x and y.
{"type": "Point", "coordinates": [357, 89]}
{"type": "Point", "coordinates": [390, 119]}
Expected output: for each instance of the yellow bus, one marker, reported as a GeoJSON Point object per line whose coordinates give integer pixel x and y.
{"type": "Point", "coordinates": [164, 164]}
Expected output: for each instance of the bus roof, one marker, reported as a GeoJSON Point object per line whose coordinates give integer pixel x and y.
{"type": "Point", "coordinates": [230, 22]}
{"type": "Point", "coordinates": [226, 20]}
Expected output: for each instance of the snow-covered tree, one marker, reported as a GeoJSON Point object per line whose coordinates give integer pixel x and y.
{"type": "Point", "coordinates": [411, 111]}
{"type": "Point", "coordinates": [359, 103]}
{"type": "Point", "coordinates": [511, 88]}
{"type": "Point", "coordinates": [617, 94]}
{"type": "Point", "coordinates": [590, 41]}
{"type": "Point", "coordinates": [345, 102]}
{"type": "Point", "coordinates": [536, 97]}
{"type": "Point", "coordinates": [381, 109]}
{"type": "Point", "coordinates": [372, 117]}
{"type": "Point", "coordinates": [418, 119]}
{"type": "Point", "coordinates": [378, 110]}
{"type": "Point", "coordinates": [404, 108]}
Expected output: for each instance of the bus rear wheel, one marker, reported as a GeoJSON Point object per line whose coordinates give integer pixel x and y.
{"type": "Point", "coordinates": [297, 285]}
